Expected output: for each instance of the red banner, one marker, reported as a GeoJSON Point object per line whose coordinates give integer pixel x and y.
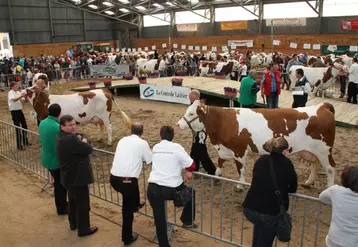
{"type": "Point", "coordinates": [349, 25]}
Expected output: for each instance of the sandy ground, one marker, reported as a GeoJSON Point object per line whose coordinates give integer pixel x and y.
{"type": "Point", "coordinates": [155, 114]}
{"type": "Point", "coordinates": [28, 219]}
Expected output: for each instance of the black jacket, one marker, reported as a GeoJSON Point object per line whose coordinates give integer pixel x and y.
{"type": "Point", "coordinates": [73, 155]}
{"type": "Point", "coordinates": [261, 195]}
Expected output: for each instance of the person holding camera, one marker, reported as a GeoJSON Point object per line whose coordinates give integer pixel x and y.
{"type": "Point", "coordinates": [73, 152]}
{"type": "Point", "coordinates": [166, 183]}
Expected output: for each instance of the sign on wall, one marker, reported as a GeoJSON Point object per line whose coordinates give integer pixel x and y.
{"type": "Point", "coordinates": [349, 25]}
{"type": "Point", "coordinates": [165, 93]}
{"type": "Point", "coordinates": [237, 43]}
{"type": "Point", "coordinates": [286, 22]}
{"type": "Point", "coordinates": [109, 70]}
{"type": "Point", "coordinates": [187, 27]}
{"type": "Point", "coordinates": [233, 25]}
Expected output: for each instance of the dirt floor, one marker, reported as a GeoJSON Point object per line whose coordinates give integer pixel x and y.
{"type": "Point", "coordinates": [226, 200]}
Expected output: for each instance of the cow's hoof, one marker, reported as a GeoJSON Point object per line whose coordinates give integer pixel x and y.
{"type": "Point", "coordinates": [109, 144]}
{"type": "Point", "coordinates": [218, 172]}
{"type": "Point", "coordinates": [240, 187]}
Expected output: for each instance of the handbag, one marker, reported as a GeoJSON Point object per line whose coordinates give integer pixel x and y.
{"type": "Point", "coordinates": [284, 226]}
{"type": "Point", "coordinates": [182, 196]}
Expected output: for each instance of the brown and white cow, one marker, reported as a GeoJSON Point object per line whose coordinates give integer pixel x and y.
{"type": "Point", "coordinates": [209, 68]}
{"type": "Point", "coordinates": [93, 106]}
{"type": "Point", "coordinates": [310, 132]}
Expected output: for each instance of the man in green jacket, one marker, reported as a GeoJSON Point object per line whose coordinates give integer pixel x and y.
{"type": "Point", "coordinates": [48, 130]}
{"type": "Point", "coordinates": [248, 92]}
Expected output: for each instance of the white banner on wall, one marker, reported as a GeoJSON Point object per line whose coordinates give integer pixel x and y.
{"type": "Point", "coordinates": [293, 22]}
{"type": "Point", "coordinates": [187, 27]}
{"type": "Point", "coordinates": [109, 70]}
{"type": "Point", "coordinates": [236, 43]}
{"type": "Point", "coordinates": [165, 93]}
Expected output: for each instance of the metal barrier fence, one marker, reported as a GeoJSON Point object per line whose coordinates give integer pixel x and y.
{"type": "Point", "coordinates": [218, 202]}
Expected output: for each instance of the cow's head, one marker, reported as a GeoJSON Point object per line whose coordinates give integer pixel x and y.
{"type": "Point", "coordinates": [191, 117]}
{"type": "Point", "coordinates": [39, 100]}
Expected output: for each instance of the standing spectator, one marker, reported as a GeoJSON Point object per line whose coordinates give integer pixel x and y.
{"type": "Point", "coordinates": [261, 203]}
{"type": "Point", "coordinates": [271, 86]}
{"type": "Point", "coordinates": [29, 77]}
{"type": "Point", "coordinates": [165, 182]}
{"type": "Point", "coordinates": [130, 154]}
{"type": "Point", "coordinates": [163, 67]}
{"type": "Point", "coordinates": [301, 90]}
{"type": "Point", "coordinates": [248, 91]}
{"type": "Point", "coordinates": [344, 200]}
{"type": "Point", "coordinates": [199, 151]}
{"type": "Point", "coordinates": [343, 76]}
{"type": "Point", "coordinates": [293, 61]}
{"type": "Point", "coordinates": [57, 70]}
{"type": "Point", "coordinates": [353, 82]}
{"type": "Point", "coordinates": [73, 152]}
{"type": "Point", "coordinates": [15, 106]}
{"type": "Point", "coordinates": [48, 131]}
{"type": "Point", "coordinates": [243, 70]}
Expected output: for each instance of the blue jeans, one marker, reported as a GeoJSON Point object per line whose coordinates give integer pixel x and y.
{"type": "Point", "coordinates": [265, 228]}
{"type": "Point", "coordinates": [272, 100]}
{"type": "Point", "coordinates": [163, 73]}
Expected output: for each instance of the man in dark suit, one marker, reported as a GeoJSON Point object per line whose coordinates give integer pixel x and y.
{"type": "Point", "coordinates": [76, 174]}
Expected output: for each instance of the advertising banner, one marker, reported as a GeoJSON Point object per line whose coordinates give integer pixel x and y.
{"type": "Point", "coordinates": [165, 93]}
{"type": "Point", "coordinates": [349, 25]}
{"type": "Point", "coordinates": [187, 27]}
{"type": "Point", "coordinates": [233, 25]}
{"type": "Point", "coordinates": [238, 43]}
{"type": "Point", "coordinates": [293, 22]}
{"type": "Point", "coordinates": [109, 70]}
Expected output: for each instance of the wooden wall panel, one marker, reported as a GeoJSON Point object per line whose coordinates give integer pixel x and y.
{"type": "Point", "coordinates": [54, 49]}
{"type": "Point", "coordinates": [219, 41]}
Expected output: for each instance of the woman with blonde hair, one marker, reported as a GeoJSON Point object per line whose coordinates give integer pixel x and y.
{"type": "Point", "coordinates": [261, 205]}
{"type": "Point", "coordinates": [343, 231]}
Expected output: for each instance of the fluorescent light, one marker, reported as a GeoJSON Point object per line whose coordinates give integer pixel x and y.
{"type": "Point", "coordinates": [108, 12]}
{"type": "Point", "coordinates": [169, 3]}
{"type": "Point", "coordinates": [124, 1]}
{"type": "Point", "coordinates": [76, 1]}
{"type": "Point", "coordinates": [92, 6]}
{"type": "Point", "coordinates": [157, 5]}
{"type": "Point", "coordinates": [107, 4]}
{"type": "Point", "coordinates": [140, 7]}
{"type": "Point", "coordinates": [194, 1]}
{"type": "Point", "coordinates": [124, 10]}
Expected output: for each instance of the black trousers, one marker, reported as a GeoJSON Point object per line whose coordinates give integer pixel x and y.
{"type": "Point", "coordinates": [299, 100]}
{"type": "Point", "coordinates": [247, 106]}
{"type": "Point", "coordinates": [343, 81]}
{"type": "Point", "coordinates": [130, 200]}
{"type": "Point", "coordinates": [242, 77]}
{"type": "Point", "coordinates": [60, 192]}
{"type": "Point", "coordinates": [157, 195]}
{"type": "Point", "coordinates": [21, 136]}
{"type": "Point", "coordinates": [199, 154]}
{"type": "Point", "coordinates": [352, 93]}
{"type": "Point", "coordinates": [78, 208]}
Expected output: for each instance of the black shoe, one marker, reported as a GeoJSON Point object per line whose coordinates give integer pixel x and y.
{"type": "Point", "coordinates": [91, 230]}
{"type": "Point", "coordinates": [191, 226]}
{"type": "Point", "coordinates": [134, 238]}
{"type": "Point", "coordinates": [141, 205]}
{"type": "Point", "coordinates": [73, 227]}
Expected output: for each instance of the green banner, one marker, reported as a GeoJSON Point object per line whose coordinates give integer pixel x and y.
{"type": "Point", "coordinates": [341, 49]}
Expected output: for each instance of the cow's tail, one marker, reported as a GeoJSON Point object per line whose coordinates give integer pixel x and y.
{"type": "Point", "coordinates": [330, 107]}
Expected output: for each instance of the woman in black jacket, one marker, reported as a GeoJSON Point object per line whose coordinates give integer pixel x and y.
{"type": "Point", "coordinates": [261, 204]}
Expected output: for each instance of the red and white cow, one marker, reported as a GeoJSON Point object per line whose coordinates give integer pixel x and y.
{"type": "Point", "coordinates": [93, 106]}
{"type": "Point", "coordinates": [319, 78]}
{"type": "Point", "coordinates": [209, 68]}
{"type": "Point", "coordinates": [310, 132]}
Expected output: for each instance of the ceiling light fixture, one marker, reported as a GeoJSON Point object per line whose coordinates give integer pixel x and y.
{"type": "Point", "coordinates": [92, 6]}
{"type": "Point", "coordinates": [107, 4]}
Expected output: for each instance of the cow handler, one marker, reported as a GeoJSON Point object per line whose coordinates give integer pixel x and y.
{"type": "Point", "coordinates": [199, 152]}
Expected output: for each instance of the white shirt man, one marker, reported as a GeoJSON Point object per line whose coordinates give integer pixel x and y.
{"type": "Point", "coordinates": [14, 100]}
{"type": "Point", "coordinates": [353, 82]}
{"type": "Point", "coordinates": [128, 160]}
{"type": "Point", "coordinates": [130, 153]}
{"type": "Point", "coordinates": [168, 171]}
{"type": "Point", "coordinates": [166, 183]}
{"type": "Point", "coordinates": [244, 70]}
